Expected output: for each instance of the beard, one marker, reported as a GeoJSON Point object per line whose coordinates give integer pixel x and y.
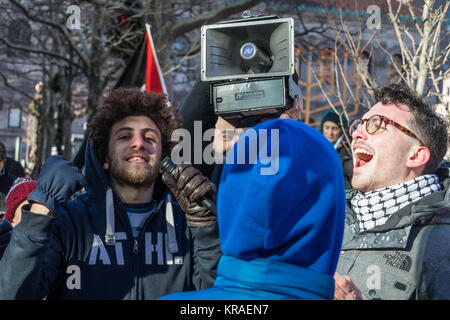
{"type": "Point", "coordinates": [136, 175]}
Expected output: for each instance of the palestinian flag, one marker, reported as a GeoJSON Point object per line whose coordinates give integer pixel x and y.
{"type": "Point", "coordinates": [143, 68]}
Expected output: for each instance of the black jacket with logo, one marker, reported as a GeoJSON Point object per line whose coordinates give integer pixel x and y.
{"type": "Point", "coordinates": [68, 257]}
{"type": "Point", "coordinates": [406, 258]}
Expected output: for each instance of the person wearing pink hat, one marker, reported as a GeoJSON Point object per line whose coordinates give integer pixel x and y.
{"type": "Point", "coordinates": [16, 198]}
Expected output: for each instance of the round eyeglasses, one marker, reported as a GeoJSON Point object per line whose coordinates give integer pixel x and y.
{"type": "Point", "coordinates": [377, 122]}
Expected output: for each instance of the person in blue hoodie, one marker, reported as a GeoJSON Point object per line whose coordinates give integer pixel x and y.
{"type": "Point", "coordinates": [281, 218]}
{"type": "Point", "coordinates": [125, 237]}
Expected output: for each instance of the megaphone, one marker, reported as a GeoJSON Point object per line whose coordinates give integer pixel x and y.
{"type": "Point", "coordinates": [247, 48]}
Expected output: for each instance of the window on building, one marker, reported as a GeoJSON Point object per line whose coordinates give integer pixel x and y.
{"type": "Point", "coordinates": [326, 66]}
{"type": "Point", "coordinates": [14, 118]}
{"type": "Point", "coordinates": [362, 68]}
{"type": "Point", "coordinates": [19, 33]}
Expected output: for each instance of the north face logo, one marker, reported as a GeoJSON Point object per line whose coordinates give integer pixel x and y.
{"type": "Point", "coordinates": [399, 261]}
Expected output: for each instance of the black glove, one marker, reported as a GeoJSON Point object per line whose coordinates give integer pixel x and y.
{"type": "Point", "coordinates": [188, 186]}
{"type": "Point", "coordinates": [58, 181]}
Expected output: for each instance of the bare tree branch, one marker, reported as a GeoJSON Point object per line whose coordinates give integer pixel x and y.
{"type": "Point", "coordinates": [22, 92]}
{"type": "Point", "coordinates": [38, 51]}
{"type": "Point", "coordinates": [211, 17]}
{"type": "Point", "coordinates": [56, 25]}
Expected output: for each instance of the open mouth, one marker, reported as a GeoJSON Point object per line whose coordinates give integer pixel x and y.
{"type": "Point", "coordinates": [137, 159]}
{"type": "Point", "coordinates": [362, 157]}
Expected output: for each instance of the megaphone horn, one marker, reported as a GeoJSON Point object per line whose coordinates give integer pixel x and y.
{"type": "Point", "coordinates": [256, 59]}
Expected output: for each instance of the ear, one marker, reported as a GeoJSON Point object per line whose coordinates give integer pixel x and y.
{"type": "Point", "coordinates": [106, 166]}
{"type": "Point", "coordinates": [419, 157]}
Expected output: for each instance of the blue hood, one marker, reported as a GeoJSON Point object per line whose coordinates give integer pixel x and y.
{"type": "Point", "coordinates": [97, 181]}
{"type": "Point", "coordinates": [281, 216]}
{"type": "Point", "coordinates": [294, 215]}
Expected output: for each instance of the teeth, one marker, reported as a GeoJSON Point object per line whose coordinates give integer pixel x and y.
{"type": "Point", "coordinates": [359, 150]}
{"type": "Point", "coordinates": [135, 159]}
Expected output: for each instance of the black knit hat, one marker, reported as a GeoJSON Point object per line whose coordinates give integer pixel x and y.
{"type": "Point", "coordinates": [332, 116]}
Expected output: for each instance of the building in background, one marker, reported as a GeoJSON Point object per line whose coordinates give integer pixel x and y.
{"type": "Point", "coordinates": [315, 64]}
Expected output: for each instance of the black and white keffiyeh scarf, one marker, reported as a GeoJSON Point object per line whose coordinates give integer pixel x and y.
{"type": "Point", "coordinates": [373, 208]}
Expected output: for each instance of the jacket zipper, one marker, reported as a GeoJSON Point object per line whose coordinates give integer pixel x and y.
{"type": "Point", "coordinates": [136, 258]}
{"type": "Point", "coordinates": [136, 268]}
{"type": "Point", "coordinates": [135, 246]}
{"type": "Point", "coordinates": [135, 255]}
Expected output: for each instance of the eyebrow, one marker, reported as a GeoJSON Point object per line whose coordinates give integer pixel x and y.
{"type": "Point", "coordinates": [145, 130]}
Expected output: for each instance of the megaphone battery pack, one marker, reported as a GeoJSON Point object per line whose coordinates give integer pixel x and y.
{"type": "Point", "coordinates": [249, 97]}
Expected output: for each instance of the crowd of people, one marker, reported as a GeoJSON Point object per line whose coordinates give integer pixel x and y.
{"type": "Point", "coordinates": [355, 211]}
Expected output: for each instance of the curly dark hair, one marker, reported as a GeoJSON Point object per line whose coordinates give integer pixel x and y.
{"type": "Point", "coordinates": [123, 102]}
{"type": "Point", "coordinates": [427, 125]}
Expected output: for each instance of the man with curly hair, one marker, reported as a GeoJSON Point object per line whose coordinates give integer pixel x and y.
{"type": "Point", "coordinates": [125, 237]}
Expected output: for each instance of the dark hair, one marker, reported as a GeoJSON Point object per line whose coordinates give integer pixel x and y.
{"type": "Point", "coordinates": [124, 102]}
{"type": "Point", "coordinates": [427, 125]}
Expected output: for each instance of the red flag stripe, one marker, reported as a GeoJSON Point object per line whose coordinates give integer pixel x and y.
{"type": "Point", "coordinates": [153, 76]}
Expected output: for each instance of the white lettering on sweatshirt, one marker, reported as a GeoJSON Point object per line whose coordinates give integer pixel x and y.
{"type": "Point", "coordinates": [156, 250]}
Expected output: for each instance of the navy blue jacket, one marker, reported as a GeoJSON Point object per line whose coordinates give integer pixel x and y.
{"type": "Point", "coordinates": [68, 257]}
{"type": "Point", "coordinates": [281, 218]}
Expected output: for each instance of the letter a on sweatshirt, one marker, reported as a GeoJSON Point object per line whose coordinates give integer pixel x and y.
{"type": "Point", "coordinates": [98, 247]}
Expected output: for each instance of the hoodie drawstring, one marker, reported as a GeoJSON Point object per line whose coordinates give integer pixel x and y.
{"type": "Point", "coordinates": [171, 235]}
{"type": "Point", "coordinates": [110, 237]}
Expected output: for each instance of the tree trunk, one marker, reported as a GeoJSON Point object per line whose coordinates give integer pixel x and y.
{"type": "Point", "coordinates": [94, 73]}
{"type": "Point", "coordinates": [67, 125]}
{"type": "Point", "coordinates": [39, 155]}
{"type": "Point", "coordinates": [423, 67]}
{"type": "Point", "coordinates": [50, 128]}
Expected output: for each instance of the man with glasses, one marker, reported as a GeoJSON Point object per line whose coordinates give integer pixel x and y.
{"type": "Point", "coordinates": [397, 236]}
